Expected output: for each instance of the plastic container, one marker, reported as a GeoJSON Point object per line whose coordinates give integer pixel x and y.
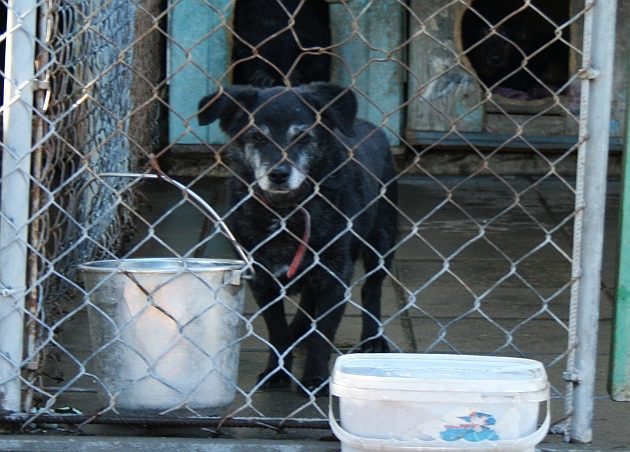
{"type": "Point", "coordinates": [165, 332]}
{"type": "Point", "coordinates": [402, 402]}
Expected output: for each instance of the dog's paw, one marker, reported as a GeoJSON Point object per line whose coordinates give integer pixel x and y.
{"type": "Point", "coordinates": [316, 386]}
{"type": "Point", "coordinates": [376, 345]}
{"type": "Point", "coordinates": [274, 379]}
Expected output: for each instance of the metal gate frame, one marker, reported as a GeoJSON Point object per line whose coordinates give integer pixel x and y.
{"type": "Point", "coordinates": [596, 89]}
{"type": "Point", "coordinates": [590, 204]}
{"type": "Point", "coordinates": [15, 202]}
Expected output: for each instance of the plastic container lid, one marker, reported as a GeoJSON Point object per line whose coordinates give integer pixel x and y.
{"type": "Point", "coordinates": [403, 376]}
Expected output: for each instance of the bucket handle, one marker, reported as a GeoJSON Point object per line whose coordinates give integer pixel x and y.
{"type": "Point", "coordinates": [459, 445]}
{"type": "Point", "coordinates": [198, 199]}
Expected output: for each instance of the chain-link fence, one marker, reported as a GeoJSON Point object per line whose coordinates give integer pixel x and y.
{"type": "Point", "coordinates": [465, 258]}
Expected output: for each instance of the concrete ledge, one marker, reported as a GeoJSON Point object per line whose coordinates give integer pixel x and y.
{"type": "Point", "coordinates": [50, 443]}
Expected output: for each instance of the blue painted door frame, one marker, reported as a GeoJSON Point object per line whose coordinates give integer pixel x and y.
{"type": "Point", "coordinates": [366, 40]}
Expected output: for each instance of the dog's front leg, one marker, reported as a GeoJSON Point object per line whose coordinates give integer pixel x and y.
{"type": "Point", "coordinates": [329, 303]}
{"type": "Point", "coordinates": [279, 361]}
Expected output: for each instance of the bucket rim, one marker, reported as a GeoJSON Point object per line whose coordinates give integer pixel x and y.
{"type": "Point", "coordinates": [170, 265]}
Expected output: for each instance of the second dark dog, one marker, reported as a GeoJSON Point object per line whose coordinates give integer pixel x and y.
{"type": "Point", "coordinates": [278, 38]}
{"type": "Point", "coordinates": [521, 56]}
{"type": "Point", "coordinates": [313, 190]}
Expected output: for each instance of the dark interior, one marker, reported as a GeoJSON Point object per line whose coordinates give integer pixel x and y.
{"type": "Point", "coordinates": [518, 51]}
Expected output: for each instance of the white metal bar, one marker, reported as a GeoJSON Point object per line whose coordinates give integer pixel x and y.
{"type": "Point", "coordinates": [597, 69]}
{"type": "Point", "coordinates": [14, 203]}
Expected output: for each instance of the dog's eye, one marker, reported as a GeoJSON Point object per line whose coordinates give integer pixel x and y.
{"type": "Point", "coordinates": [258, 137]}
{"type": "Point", "coordinates": [305, 138]}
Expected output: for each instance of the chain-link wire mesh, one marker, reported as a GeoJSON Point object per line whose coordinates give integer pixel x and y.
{"type": "Point", "coordinates": [482, 261]}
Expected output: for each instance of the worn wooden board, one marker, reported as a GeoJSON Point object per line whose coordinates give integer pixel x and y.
{"type": "Point", "coordinates": [618, 123]}
{"type": "Point", "coordinates": [620, 76]}
{"type": "Point", "coordinates": [368, 56]}
{"type": "Point", "coordinates": [442, 92]}
{"type": "Point", "coordinates": [525, 124]}
{"type": "Point", "coordinates": [198, 59]}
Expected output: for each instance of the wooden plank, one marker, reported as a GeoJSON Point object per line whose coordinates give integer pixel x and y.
{"type": "Point", "coordinates": [198, 59]}
{"type": "Point", "coordinates": [442, 91]}
{"type": "Point", "coordinates": [544, 125]}
{"type": "Point", "coordinates": [576, 30]}
{"type": "Point", "coordinates": [485, 140]}
{"type": "Point", "coordinates": [618, 124]}
{"type": "Point", "coordinates": [367, 37]}
{"type": "Point", "coordinates": [501, 104]}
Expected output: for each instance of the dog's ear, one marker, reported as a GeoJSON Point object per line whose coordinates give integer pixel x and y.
{"type": "Point", "coordinates": [230, 105]}
{"type": "Point", "coordinates": [338, 105]}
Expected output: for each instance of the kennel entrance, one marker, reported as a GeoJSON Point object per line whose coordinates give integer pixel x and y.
{"type": "Point", "coordinates": [494, 81]}
{"type": "Point", "coordinates": [90, 123]}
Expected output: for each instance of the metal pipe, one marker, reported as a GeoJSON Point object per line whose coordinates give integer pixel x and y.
{"type": "Point", "coordinates": [597, 73]}
{"type": "Point", "coordinates": [14, 202]}
{"type": "Point", "coordinates": [200, 422]}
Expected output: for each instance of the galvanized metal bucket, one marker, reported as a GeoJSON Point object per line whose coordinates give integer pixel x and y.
{"type": "Point", "coordinates": [166, 331]}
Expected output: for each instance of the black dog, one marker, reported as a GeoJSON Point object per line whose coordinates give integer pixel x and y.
{"type": "Point", "coordinates": [282, 48]}
{"type": "Point", "coordinates": [310, 197]}
{"type": "Point", "coordinates": [520, 54]}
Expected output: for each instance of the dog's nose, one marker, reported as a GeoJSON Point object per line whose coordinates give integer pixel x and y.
{"type": "Point", "coordinates": [280, 174]}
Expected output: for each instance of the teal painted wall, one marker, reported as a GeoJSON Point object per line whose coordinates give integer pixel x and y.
{"type": "Point", "coordinates": [198, 59]}
{"type": "Point", "coordinates": [619, 377]}
{"type": "Point", "coordinates": [367, 38]}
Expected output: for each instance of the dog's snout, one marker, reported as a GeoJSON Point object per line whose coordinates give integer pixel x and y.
{"type": "Point", "coordinates": [280, 174]}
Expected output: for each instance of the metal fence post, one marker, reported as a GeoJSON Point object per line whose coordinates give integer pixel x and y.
{"type": "Point", "coordinates": [597, 70]}
{"type": "Point", "coordinates": [16, 162]}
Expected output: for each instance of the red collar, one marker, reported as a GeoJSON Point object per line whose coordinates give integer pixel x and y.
{"type": "Point", "coordinates": [298, 257]}
{"type": "Point", "coordinates": [301, 250]}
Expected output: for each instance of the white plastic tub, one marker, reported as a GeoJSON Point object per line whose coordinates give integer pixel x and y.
{"type": "Point", "coordinates": [401, 402]}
